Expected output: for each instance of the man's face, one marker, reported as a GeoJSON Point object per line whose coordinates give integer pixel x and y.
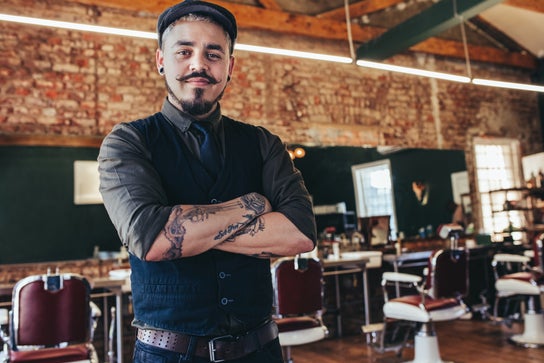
{"type": "Point", "coordinates": [197, 65]}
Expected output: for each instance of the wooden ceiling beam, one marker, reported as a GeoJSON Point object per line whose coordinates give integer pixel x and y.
{"type": "Point", "coordinates": [252, 17]}
{"type": "Point", "coordinates": [359, 9]}
{"type": "Point", "coordinates": [269, 4]}
{"type": "Point", "coordinates": [454, 49]}
{"type": "Point", "coordinates": [428, 23]}
{"type": "Point", "coordinates": [533, 5]}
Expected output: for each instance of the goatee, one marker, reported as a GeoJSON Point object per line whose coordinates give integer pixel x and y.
{"type": "Point", "coordinates": [196, 106]}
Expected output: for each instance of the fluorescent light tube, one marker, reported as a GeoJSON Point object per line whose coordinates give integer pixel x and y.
{"type": "Point", "coordinates": [413, 71]}
{"type": "Point", "coordinates": [77, 26]}
{"type": "Point", "coordinates": [278, 51]}
{"type": "Point", "coordinates": [293, 53]}
{"type": "Point", "coordinates": [509, 85]}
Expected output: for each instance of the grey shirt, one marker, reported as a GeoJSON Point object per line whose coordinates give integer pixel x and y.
{"type": "Point", "coordinates": [135, 198]}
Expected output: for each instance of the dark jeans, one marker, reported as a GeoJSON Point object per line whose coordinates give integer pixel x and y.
{"type": "Point", "coordinates": [144, 353]}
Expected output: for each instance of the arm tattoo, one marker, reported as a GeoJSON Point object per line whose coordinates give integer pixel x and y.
{"type": "Point", "coordinates": [254, 202]}
{"type": "Point", "coordinates": [175, 233]}
{"type": "Point", "coordinates": [175, 230]}
{"type": "Point", "coordinates": [252, 228]}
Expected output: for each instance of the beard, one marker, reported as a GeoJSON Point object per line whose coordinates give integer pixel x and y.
{"type": "Point", "coordinates": [197, 106]}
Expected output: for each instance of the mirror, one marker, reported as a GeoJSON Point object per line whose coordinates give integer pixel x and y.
{"type": "Point", "coordinates": [328, 177]}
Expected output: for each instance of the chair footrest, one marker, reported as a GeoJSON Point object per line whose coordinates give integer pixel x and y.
{"type": "Point", "coordinates": [372, 328]}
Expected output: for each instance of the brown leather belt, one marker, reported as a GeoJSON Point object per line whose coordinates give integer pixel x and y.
{"type": "Point", "coordinates": [217, 349]}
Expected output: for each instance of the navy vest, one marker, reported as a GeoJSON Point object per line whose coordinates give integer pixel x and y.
{"type": "Point", "coordinates": [215, 292]}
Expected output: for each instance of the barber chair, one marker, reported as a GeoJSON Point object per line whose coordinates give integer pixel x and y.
{"type": "Point", "coordinates": [434, 299]}
{"type": "Point", "coordinates": [508, 303]}
{"type": "Point", "coordinates": [527, 284]}
{"type": "Point", "coordinates": [52, 320]}
{"type": "Point", "coordinates": [298, 301]}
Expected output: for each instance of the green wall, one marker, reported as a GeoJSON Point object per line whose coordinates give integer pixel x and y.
{"type": "Point", "coordinates": [40, 222]}
{"type": "Point", "coordinates": [38, 218]}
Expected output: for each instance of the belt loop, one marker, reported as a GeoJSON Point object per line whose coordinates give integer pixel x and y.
{"type": "Point", "coordinates": [188, 356]}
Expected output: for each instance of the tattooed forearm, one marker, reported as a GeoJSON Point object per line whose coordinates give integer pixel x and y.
{"type": "Point", "coordinates": [175, 233]}
{"type": "Point", "coordinates": [252, 228]}
{"type": "Point", "coordinates": [256, 204]}
{"type": "Point", "coordinates": [200, 213]}
{"type": "Point", "coordinates": [228, 231]}
{"type": "Point", "coordinates": [175, 229]}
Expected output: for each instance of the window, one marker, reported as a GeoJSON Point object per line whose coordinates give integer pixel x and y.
{"type": "Point", "coordinates": [497, 167]}
{"type": "Point", "coordinates": [374, 191]}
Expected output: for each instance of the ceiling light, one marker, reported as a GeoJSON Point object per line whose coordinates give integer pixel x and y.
{"type": "Point", "coordinates": [510, 85]}
{"type": "Point", "coordinates": [78, 26]}
{"type": "Point", "coordinates": [293, 53]}
{"type": "Point", "coordinates": [278, 51]}
{"type": "Point", "coordinates": [296, 153]}
{"type": "Point", "coordinates": [413, 71]}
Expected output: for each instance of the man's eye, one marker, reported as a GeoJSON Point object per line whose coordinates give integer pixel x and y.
{"type": "Point", "coordinates": [214, 56]}
{"type": "Point", "coordinates": [183, 52]}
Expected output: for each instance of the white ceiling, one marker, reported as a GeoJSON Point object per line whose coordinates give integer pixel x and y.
{"type": "Point", "coordinates": [523, 26]}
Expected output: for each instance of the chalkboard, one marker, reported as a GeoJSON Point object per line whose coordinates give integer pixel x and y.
{"type": "Point", "coordinates": [38, 218]}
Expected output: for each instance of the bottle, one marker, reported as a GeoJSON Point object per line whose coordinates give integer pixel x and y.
{"type": "Point", "coordinates": [96, 252]}
{"type": "Point", "coordinates": [398, 245]}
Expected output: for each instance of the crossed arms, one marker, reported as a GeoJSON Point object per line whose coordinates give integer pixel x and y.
{"type": "Point", "coordinates": [245, 225]}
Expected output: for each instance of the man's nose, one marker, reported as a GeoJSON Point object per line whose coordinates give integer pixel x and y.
{"type": "Point", "coordinates": [198, 63]}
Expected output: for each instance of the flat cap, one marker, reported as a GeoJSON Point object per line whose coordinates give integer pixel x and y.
{"type": "Point", "coordinates": [218, 13]}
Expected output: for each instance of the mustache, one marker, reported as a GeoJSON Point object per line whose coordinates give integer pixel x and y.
{"type": "Point", "coordinates": [197, 75]}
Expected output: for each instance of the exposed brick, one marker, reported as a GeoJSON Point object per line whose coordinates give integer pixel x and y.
{"type": "Point", "coordinates": [83, 84]}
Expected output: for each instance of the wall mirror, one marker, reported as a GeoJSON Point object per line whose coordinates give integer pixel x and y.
{"type": "Point", "coordinates": [328, 176]}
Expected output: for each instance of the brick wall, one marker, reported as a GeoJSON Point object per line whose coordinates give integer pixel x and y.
{"type": "Point", "coordinates": [63, 82]}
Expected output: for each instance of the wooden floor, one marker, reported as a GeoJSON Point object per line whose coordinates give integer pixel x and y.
{"type": "Point", "coordinates": [461, 341]}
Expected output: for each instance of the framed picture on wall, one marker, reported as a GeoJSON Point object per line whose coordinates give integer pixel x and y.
{"type": "Point", "coordinates": [375, 229]}
{"type": "Point", "coordinates": [86, 182]}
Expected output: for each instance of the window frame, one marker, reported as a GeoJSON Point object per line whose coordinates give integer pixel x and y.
{"type": "Point", "coordinates": [360, 205]}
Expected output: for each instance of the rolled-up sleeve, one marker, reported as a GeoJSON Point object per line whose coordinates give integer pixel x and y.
{"type": "Point", "coordinates": [131, 189]}
{"type": "Point", "coordinates": [284, 186]}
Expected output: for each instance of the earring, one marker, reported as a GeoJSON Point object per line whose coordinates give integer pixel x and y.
{"type": "Point", "coordinates": [161, 71]}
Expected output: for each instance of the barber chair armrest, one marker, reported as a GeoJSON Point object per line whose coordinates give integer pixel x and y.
{"type": "Point", "coordinates": [507, 260]}
{"type": "Point", "coordinates": [4, 320]}
{"type": "Point", "coordinates": [401, 277]}
{"type": "Point", "coordinates": [4, 327]}
{"type": "Point", "coordinates": [510, 257]}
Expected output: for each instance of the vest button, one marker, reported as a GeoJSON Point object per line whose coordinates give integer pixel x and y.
{"type": "Point", "coordinates": [222, 275]}
{"type": "Point", "coordinates": [214, 201]}
{"type": "Point", "coordinates": [224, 301]}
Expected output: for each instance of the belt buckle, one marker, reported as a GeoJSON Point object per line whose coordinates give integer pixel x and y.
{"type": "Point", "coordinates": [211, 347]}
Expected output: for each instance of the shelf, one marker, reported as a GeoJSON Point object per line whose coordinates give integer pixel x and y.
{"type": "Point", "coordinates": [513, 210]}
{"type": "Point", "coordinates": [519, 207]}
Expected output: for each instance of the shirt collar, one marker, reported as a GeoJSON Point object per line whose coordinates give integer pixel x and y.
{"type": "Point", "coordinates": [183, 120]}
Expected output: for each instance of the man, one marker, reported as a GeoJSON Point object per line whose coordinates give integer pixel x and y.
{"type": "Point", "coordinates": [200, 236]}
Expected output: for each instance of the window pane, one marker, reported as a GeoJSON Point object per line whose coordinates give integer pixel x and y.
{"type": "Point", "coordinates": [374, 191]}
{"type": "Point", "coordinates": [498, 167]}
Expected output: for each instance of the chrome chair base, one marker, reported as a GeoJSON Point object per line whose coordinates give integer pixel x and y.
{"type": "Point", "coordinates": [533, 332]}
{"type": "Point", "coordinates": [426, 350]}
